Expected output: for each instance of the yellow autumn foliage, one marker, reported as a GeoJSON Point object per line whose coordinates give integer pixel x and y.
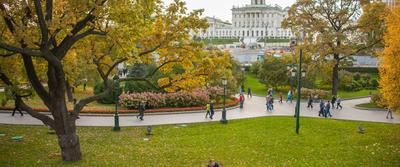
{"type": "Point", "coordinates": [390, 62]}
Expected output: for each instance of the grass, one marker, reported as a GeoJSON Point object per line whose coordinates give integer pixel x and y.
{"type": "Point", "coordinates": [79, 94]}
{"type": "Point", "coordinates": [361, 93]}
{"type": "Point", "coordinates": [257, 88]}
{"type": "Point", "coordinates": [260, 89]}
{"type": "Point", "coordinates": [369, 105]}
{"type": "Point", "coordinates": [268, 141]}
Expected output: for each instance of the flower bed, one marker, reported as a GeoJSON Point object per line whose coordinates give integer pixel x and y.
{"type": "Point", "coordinates": [234, 102]}
{"type": "Point", "coordinates": [164, 100]}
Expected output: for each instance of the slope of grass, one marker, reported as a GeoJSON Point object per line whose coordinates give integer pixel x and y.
{"type": "Point", "coordinates": [257, 88]}
{"type": "Point", "coordinates": [268, 141]}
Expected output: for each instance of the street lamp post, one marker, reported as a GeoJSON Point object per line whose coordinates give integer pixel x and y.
{"type": "Point", "coordinates": [292, 73]}
{"type": "Point", "coordinates": [242, 80]}
{"type": "Point", "coordinates": [116, 99]}
{"type": "Point", "coordinates": [223, 119]}
{"type": "Point", "coordinates": [300, 74]}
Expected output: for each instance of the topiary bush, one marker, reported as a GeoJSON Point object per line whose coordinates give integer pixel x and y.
{"type": "Point", "coordinates": [109, 99]}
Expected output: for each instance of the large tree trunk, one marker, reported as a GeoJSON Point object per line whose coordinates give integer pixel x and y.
{"type": "Point", "coordinates": [70, 147]}
{"type": "Point", "coordinates": [335, 75]}
{"type": "Point", "coordinates": [69, 92]}
{"type": "Point", "coordinates": [64, 122]}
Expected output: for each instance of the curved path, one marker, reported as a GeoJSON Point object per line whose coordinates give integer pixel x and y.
{"type": "Point", "coordinates": [253, 107]}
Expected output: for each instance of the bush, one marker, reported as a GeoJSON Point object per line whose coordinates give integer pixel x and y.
{"type": "Point", "coordinates": [139, 87]}
{"type": "Point", "coordinates": [361, 69]}
{"type": "Point", "coordinates": [315, 93]}
{"type": "Point", "coordinates": [165, 100]}
{"type": "Point", "coordinates": [377, 99]}
{"type": "Point", "coordinates": [374, 83]}
{"type": "Point", "coordinates": [109, 99]}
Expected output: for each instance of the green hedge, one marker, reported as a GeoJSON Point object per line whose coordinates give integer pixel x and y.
{"type": "Point", "coordinates": [361, 69]}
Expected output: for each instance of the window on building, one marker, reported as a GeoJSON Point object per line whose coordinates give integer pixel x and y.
{"type": "Point", "coordinates": [262, 33]}
{"type": "Point", "coordinates": [257, 33]}
{"type": "Point", "coordinates": [252, 33]}
{"type": "Point", "coordinates": [248, 33]}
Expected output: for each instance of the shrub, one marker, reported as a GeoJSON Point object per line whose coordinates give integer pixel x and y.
{"type": "Point", "coordinates": [109, 99]}
{"type": "Point", "coordinates": [377, 99]}
{"type": "Point", "coordinates": [162, 100]}
{"type": "Point", "coordinates": [374, 83]}
{"type": "Point", "coordinates": [139, 87]}
{"type": "Point", "coordinates": [315, 93]}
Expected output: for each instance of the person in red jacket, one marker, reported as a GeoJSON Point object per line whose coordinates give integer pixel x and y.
{"type": "Point", "coordinates": [241, 100]}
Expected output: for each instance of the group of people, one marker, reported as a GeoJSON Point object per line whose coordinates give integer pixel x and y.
{"type": "Point", "coordinates": [325, 107]}
{"type": "Point", "coordinates": [210, 110]}
{"type": "Point", "coordinates": [270, 100]}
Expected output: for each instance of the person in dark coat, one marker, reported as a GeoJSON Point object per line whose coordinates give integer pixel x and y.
{"type": "Point", "coordinates": [321, 108]}
{"type": "Point", "coordinates": [142, 108]}
{"type": "Point", "coordinates": [211, 109]}
{"type": "Point", "coordinates": [309, 103]}
{"type": "Point", "coordinates": [17, 108]}
{"type": "Point", "coordinates": [333, 101]}
{"type": "Point", "coordinates": [249, 93]}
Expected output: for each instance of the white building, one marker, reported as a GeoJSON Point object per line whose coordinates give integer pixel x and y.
{"type": "Point", "coordinates": [256, 20]}
{"type": "Point", "coordinates": [217, 29]}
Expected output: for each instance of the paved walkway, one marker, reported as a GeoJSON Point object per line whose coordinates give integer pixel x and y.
{"type": "Point", "coordinates": [254, 107]}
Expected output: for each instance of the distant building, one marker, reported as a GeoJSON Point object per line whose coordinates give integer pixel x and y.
{"type": "Point", "coordinates": [217, 29]}
{"type": "Point", "coordinates": [256, 20]}
{"type": "Point", "coordinates": [259, 20]}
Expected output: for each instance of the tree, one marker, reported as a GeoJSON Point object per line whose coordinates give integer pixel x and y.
{"type": "Point", "coordinates": [273, 72]}
{"type": "Point", "coordinates": [390, 61]}
{"type": "Point", "coordinates": [337, 28]}
{"type": "Point", "coordinates": [46, 36]}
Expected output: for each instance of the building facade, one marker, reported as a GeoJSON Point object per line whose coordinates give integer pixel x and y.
{"type": "Point", "coordinates": [392, 3]}
{"type": "Point", "coordinates": [256, 20]}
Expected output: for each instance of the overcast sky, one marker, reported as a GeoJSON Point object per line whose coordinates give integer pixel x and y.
{"type": "Point", "coordinates": [222, 8]}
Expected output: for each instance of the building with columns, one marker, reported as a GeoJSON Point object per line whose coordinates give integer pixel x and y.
{"type": "Point", "coordinates": [256, 20]}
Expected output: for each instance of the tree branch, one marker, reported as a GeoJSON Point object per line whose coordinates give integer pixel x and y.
{"type": "Point", "coordinates": [42, 23]}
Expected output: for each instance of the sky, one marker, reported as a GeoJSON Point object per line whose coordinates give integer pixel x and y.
{"type": "Point", "coordinates": [222, 8]}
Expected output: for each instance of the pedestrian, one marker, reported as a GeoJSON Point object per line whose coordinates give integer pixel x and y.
{"type": "Point", "coordinates": [17, 108]}
{"type": "Point", "coordinates": [389, 112]}
{"type": "Point", "coordinates": [338, 101]}
{"type": "Point", "coordinates": [267, 102]}
{"type": "Point", "coordinates": [271, 102]}
{"type": "Point", "coordinates": [327, 109]}
{"type": "Point", "coordinates": [84, 83]}
{"type": "Point", "coordinates": [208, 113]}
{"type": "Point", "coordinates": [289, 96]}
{"type": "Point", "coordinates": [241, 100]}
{"type": "Point", "coordinates": [142, 108]}
{"type": "Point", "coordinates": [310, 101]}
{"type": "Point", "coordinates": [321, 108]}
{"type": "Point", "coordinates": [249, 93]}
{"type": "Point", "coordinates": [333, 101]}
{"type": "Point", "coordinates": [212, 109]}
{"type": "Point", "coordinates": [280, 97]}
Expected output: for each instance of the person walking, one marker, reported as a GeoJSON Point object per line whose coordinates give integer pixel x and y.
{"type": "Point", "coordinates": [327, 110]}
{"type": "Point", "coordinates": [208, 113]}
{"type": "Point", "coordinates": [309, 103]}
{"type": "Point", "coordinates": [321, 108]}
{"type": "Point", "coordinates": [211, 109]}
{"type": "Point", "coordinates": [241, 100]}
{"type": "Point", "coordinates": [280, 97]}
{"type": "Point", "coordinates": [17, 108]}
{"type": "Point", "coordinates": [271, 102]}
{"type": "Point", "coordinates": [333, 101]}
{"type": "Point", "coordinates": [142, 108]}
{"type": "Point", "coordinates": [389, 112]}
{"type": "Point", "coordinates": [249, 93]}
{"type": "Point", "coordinates": [289, 96]}
{"type": "Point", "coordinates": [338, 101]}
{"type": "Point", "coordinates": [268, 103]}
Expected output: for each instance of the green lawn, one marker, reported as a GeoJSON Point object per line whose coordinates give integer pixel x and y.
{"type": "Point", "coordinates": [369, 105]}
{"type": "Point", "coordinates": [258, 88]}
{"type": "Point", "coordinates": [268, 141]}
{"type": "Point", "coordinates": [361, 93]}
